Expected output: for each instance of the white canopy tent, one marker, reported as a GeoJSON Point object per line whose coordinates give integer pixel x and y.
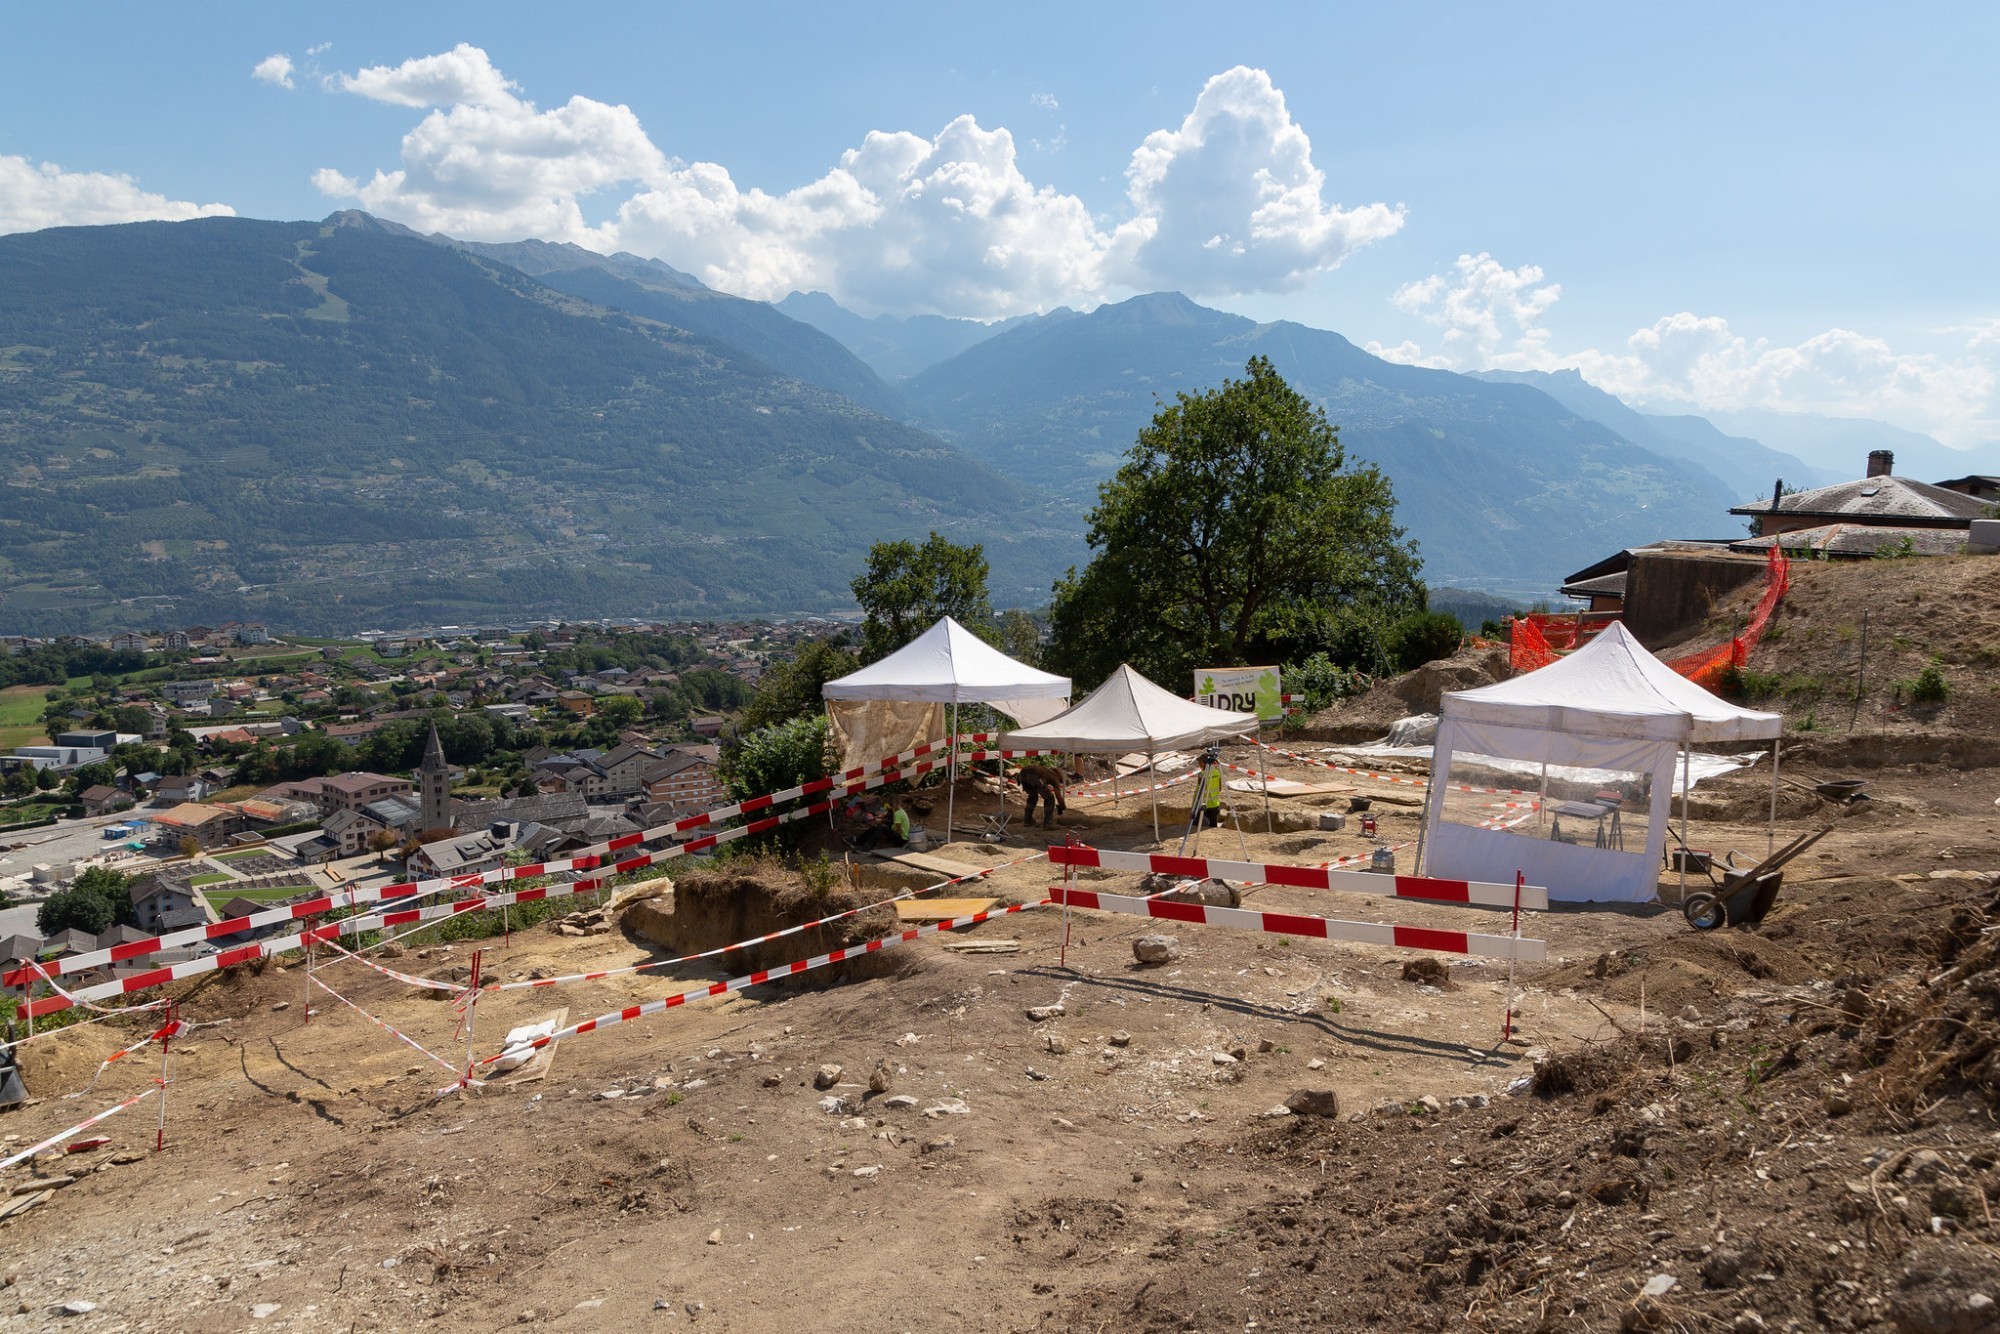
{"type": "Point", "coordinates": [1128, 713]}
{"type": "Point", "coordinates": [945, 665]}
{"type": "Point", "coordinates": [1609, 705]}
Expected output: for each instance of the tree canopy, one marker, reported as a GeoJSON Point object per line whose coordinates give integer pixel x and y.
{"type": "Point", "coordinates": [905, 588]}
{"type": "Point", "coordinates": [1233, 531]}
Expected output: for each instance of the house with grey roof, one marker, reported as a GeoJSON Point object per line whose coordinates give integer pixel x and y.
{"type": "Point", "coordinates": [1878, 512]}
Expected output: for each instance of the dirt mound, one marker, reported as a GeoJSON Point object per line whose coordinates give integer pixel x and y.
{"type": "Point", "coordinates": [1711, 1176]}
{"type": "Point", "coordinates": [1367, 716]}
{"type": "Point", "coordinates": [1815, 654]}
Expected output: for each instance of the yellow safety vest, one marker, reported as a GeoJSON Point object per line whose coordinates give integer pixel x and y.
{"type": "Point", "coordinates": [1212, 788]}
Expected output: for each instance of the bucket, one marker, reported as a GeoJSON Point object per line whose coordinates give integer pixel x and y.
{"type": "Point", "coordinates": [1357, 804]}
{"type": "Point", "coordinates": [1383, 860]}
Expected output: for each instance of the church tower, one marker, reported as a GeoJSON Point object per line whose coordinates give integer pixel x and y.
{"type": "Point", "coordinates": [434, 785]}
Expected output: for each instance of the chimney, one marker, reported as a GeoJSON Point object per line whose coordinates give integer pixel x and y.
{"type": "Point", "coordinates": [1881, 462]}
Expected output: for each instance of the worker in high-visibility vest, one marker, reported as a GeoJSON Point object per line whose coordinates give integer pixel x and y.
{"type": "Point", "coordinates": [1211, 791]}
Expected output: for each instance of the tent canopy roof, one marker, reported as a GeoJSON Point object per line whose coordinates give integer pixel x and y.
{"type": "Point", "coordinates": [948, 664]}
{"type": "Point", "coordinates": [1611, 687]}
{"type": "Point", "coordinates": [1128, 712]}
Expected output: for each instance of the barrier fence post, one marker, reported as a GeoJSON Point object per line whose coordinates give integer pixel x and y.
{"type": "Point", "coordinates": [472, 1013]}
{"type": "Point", "coordinates": [1069, 880]}
{"type": "Point", "coordinates": [166, 1045]}
{"type": "Point", "coordinates": [309, 972]}
{"type": "Point", "coordinates": [1507, 1023]}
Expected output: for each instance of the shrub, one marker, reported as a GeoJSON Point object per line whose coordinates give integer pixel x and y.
{"type": "Point", "coordinates": [1423, 636]}
{"type": "Point", "coordinates": [1930, 687]}
{"type": "Point", "coordinates": [778, 757]}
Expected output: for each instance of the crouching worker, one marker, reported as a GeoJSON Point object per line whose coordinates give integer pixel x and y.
{"type": "Point", "coordinates": [1042, 783]}
{"type": "Point", "coordinates": [893, 831]}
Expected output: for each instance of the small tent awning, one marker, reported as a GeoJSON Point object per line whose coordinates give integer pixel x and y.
{"type": "Point", "coordinates": [1128, 712]}
{"type": "Point", "coordinates": [948, 664]}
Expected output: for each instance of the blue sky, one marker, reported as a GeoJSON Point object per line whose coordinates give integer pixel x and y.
{"type": "Point", "coordinates": [1697, 205]}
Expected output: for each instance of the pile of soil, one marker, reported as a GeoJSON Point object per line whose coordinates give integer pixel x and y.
{"type": "Point", "coordinates": [1810, 661]}
{"type": "Point", "coordinates": [1366, 717]}
{"type": "Point", "coordinates": [1779, 1165]}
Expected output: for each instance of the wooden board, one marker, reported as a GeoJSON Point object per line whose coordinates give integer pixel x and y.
{"type": "Point", "coordinates": [1288, 787]}
{"type": "Point", "coordinates": [940, 910]}
{"type": "Point", "coordinates": [942, 867]}
{"type": "Point", "coordinates": [978, 946]}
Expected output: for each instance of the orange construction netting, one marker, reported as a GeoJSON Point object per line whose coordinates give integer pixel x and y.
{"type": "Point", "coordinates": [1538, 639]}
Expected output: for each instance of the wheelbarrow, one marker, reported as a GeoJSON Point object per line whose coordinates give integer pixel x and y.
{"type": "Point", "coordinates": [1745, 896]}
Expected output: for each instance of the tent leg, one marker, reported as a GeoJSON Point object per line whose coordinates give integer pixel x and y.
{"type": "Point", "coordinates": [1155, 773]}
{"type": "Point", "coordinates": [1541, 798]}
{"type": "Point", "coordinates": [1686, 769]}
{"type": "Point", "coordinates": [1771, 829]}
{"type": "Point", "coordinates": [951, 774]}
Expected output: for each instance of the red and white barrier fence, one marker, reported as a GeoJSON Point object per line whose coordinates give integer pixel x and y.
{"type": "Point", "coordinates": [757, 978]}
{"type": "Point", "coordinates": [79, 1127]}
{"type": "Point", "coordinates": [1317, 928]}
{"type": "Point", "coordinates": [1473, 892]}
{"type": "Point", "coordinates": [582, 861]}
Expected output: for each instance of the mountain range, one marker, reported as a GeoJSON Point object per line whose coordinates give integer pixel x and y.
{"type": "Point", "coordinates": [330, 425]}
{"type": "Point", "coordinates": [335, 424]}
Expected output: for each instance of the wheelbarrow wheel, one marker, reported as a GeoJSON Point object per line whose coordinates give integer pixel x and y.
{"type": "Point", "coordinates": [1704, 912]}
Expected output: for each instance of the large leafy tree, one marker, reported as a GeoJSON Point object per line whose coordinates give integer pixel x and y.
{"type": "Point", "coordinates": [1234, 531]}
{"type": "Point", "coordinates": [791, 689]}
{"type": "Point", "coordinates": [906, 587]}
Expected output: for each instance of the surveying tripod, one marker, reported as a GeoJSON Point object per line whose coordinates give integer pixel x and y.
{"type": "Point", "coordinates": [1211, 761]}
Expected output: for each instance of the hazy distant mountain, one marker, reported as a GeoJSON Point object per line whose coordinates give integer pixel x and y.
{"type": "Point", "coordinates": [1505, 489]}
{"type": "Point", "coordinates": [329, 425]}
{"type": "Point", "coordinates": [1746, 466]}
{"type": "Point", "coordinates": [652, 289]}
{"type": "Point", "coordinates": [897, 347]}
{"type": "Point", "coordinates": [1840, 445]}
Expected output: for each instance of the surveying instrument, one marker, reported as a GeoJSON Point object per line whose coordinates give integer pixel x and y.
{"type": "Point", "coordinates": [1211, 763]}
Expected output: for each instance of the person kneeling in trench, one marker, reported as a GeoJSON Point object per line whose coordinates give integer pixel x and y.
{"type": "Point", "coordinates": [894, 830]}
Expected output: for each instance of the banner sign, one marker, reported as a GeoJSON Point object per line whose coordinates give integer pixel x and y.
{"type": "Point", "coordinates": [1241, 690]}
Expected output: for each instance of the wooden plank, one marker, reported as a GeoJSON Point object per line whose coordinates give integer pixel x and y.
{"type": "Point", "coordinates": [940, 910]}
{"type": "Point", "coordinates": [942, 867]}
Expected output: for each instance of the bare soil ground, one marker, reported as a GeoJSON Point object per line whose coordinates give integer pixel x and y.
{"type": "Point", "coordinates": [1785, 1127]}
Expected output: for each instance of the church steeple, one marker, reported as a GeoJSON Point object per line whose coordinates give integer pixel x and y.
{"type": "Point", "coordinates": [434, 785]}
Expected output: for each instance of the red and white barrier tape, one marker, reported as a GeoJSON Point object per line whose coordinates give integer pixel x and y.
{"type": "Point", "coordinates": [1472, 892]}
{"type": "Point", "coordinates": [407, 979]}
{"type": "Point", "coordinates": [1317, 928]}
{"type": "Point", "coordinates": [166, 1030]}
{"type": "Point", "coordinates": [873, 774]}
{"type": "Point", "coordinates": [757, 978]}
{"type": "Point", "coordinates": [80, 1127]}
{"type": "Point", "coordinates": [388, 1028]}
{"type": "Point", "coordinates": [1403, 779]}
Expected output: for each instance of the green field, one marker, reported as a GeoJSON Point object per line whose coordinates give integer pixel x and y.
{"type": "Point", "coordinates": [275, 894]}
{"type": "Point", "coordinates": [21, 715]}
{"type": "Point", "coordinates": [239, 855]}
{"type": "Point", "coordinates": [212, 878]}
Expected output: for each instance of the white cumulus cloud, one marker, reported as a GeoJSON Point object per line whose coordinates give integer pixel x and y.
{"type": "Point", "coordinates": [1493, 317]}
{"type": "Point", "coordinates": [1231, 201]}
{"type": "Point", "coordinates": [33, 197]}
{"type": "Point", "coordinates": [276, 69]}
{"type": "Point", "coordinates": [1228, 202]}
